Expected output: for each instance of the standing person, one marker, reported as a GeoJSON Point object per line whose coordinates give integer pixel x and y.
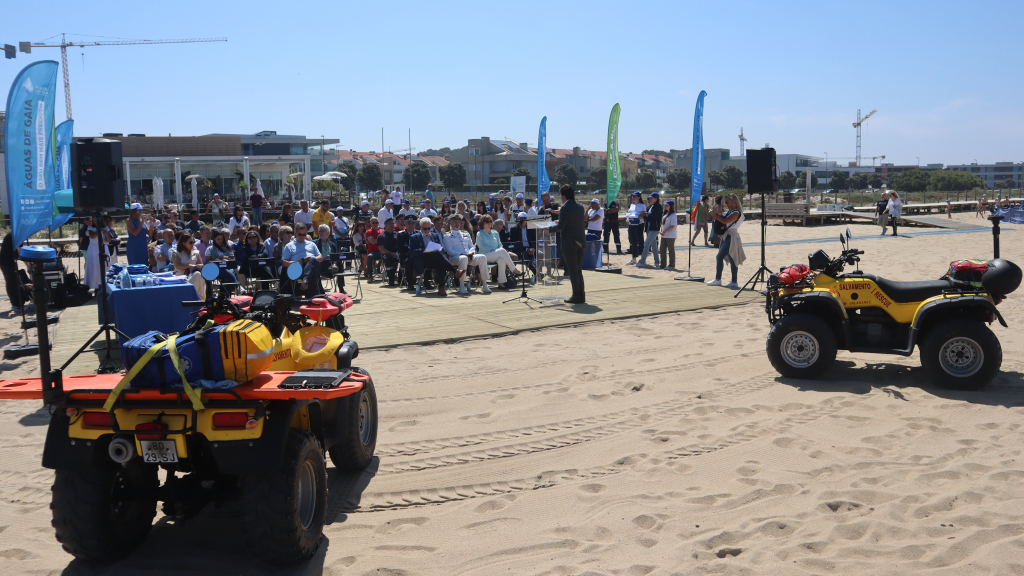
{"type": "Point", "coordinates": [256, 202]}
{"type": "Point", "coordinates": [595, 219]}
{"type": "Point", "coordinates": [572, 224]}
{"type": "Point", "coordinates": [611, 226]}
{"type": "Point", "coordinates": [218, 209]}
{"type": "Point", "coordinates": [239, 222]}
{"type": "Point", "coordinates": [653, 224]}
{"type": "Point", "coordinates": [287, 218]}
{"type": "Point", "coordinates": [893, 208]}
{"type": "Point", "coordinates": [93, 273]}
{"type": "Point", "coordinates": [880, 206]}
{"type": "Point", "coordinates": [396, 197]}
{"type": "Point", "coordinates": [731, 247]}
{"type": "Point", "coordinates": [949, 209]}
{"type": "Point", "coordinates": [110, 238]}
{"type": "Point", "coordinates": [635, 215]}
{"type": "Point", "coordinates": [669, 225]}
{"type": "Point", "coordinates": [979, 211]}
{"type": "Point", "coordinates": [717, 228]}
{"type": "Point", "coordinates": [304, 216]}
{"type": "Point", "coordinates": [138, 236]}
{"type": "Point", "coordinates": [12, 274]}
{"type": "Point", "coordinates": [701, 220]}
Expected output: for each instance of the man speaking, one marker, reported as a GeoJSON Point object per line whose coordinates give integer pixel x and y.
{"type": "Point", "coordinates": [572, 223]}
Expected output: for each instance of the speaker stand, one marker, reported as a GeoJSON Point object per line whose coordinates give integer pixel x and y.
{"type": "Point", "coordinates": [762, 273]}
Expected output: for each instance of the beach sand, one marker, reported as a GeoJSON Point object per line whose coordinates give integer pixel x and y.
{"type": "Point", "coordinates": [657, 445]}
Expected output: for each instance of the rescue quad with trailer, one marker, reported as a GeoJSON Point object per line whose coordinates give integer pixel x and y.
{"type": "Point", "coordinates": [817, 309]}
{"type": "Point", "coordinates": [262, 443]}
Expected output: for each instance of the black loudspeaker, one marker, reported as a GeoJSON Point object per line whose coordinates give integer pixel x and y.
{"type": "Point", "coordinates": [761, 170]}
{"type": "Point", "coordinates": [96, 176]}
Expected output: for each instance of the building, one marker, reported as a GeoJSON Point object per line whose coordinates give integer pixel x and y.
{"type": "Point", "coordinates": [281, 163]}
{"type": "Point", "coordinates": [993, 174]}
{"type": "Point", "coordinates": [488, 160]}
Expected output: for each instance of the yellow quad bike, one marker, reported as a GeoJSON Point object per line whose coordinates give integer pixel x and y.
{"type": "Point", "coordinates": [827, 310]}
{"type": "Point", "coordinates": [263, 443]}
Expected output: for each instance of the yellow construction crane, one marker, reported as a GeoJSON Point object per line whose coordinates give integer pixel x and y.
{"type": "Point", "coordinates": [27, 47]}
{"type": "Point", "coordinates": [857, 126]}
{"type": "Point", "coordinates": [743, 141]}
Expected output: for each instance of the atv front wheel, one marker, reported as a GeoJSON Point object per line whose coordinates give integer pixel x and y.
{"type": "Point", "coordinates": [961, 354]}
{"type": "Point", "coordinates": [104, 512]}
{"type": "Point", "coordinates": [801, 346]}
{"type": "Point", "coordinates": [359, 430]}
{"type": "Point", "coordinates": [284, 510]}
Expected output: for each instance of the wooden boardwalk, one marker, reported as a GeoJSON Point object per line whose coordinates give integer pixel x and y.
{"type": "Point", "coordinates": [389, 316]}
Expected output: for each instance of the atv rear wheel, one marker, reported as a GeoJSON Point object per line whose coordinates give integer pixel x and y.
{"type": "Point", "coordinates": [284, 510]}
{"type": "Point", "coordinates": [961, 354]}
{"type": "Point", "coordinates": [104, 512]}
{"type": "Point", "coordinates": [801, 346]}
{"type": "Point", "coordinates": [355, 449]}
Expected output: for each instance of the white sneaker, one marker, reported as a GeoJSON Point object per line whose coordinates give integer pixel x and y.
{"type": "Point", "coordinates": [631, 262]}
{"type": "Point", "coordinates": [732, 286]}
{"type": "Point", "coordinates": [462, 289]}
{"type": "Point", "coordinates": [715, 283]}
{"type": "Point", "coordinates": [485, 289]}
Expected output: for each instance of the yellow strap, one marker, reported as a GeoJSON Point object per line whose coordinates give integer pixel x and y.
{"type": "Point", "coordinates": [193, 395]}
{"type": "Point", "coordinates": [132, 374]}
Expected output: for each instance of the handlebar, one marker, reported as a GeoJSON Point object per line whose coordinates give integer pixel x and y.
{"type": "Point", "coordinates": [192, 303]}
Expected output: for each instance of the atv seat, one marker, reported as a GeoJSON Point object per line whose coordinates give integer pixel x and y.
{"type": "Point", "coordinates": [904, 292]}
{"type": "Point", "coordinates": [320, 310]}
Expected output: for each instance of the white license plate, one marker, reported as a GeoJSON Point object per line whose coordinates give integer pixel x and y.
{"type": "Point", "coordinates": [159, 451]}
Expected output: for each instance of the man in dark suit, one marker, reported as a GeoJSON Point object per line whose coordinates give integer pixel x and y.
{"type": "Point", "coordinates": [423, 260]}
{"type": "Point", "coordinates": [572, 224]}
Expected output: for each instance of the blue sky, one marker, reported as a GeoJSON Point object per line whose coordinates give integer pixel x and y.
{"type": "Point", "coordinates": [945, 76]}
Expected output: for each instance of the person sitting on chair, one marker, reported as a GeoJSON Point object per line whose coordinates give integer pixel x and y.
{"type": "Point", "coordinates": [387, 243]}
{"type": "Point", "coordinates": [489, 243]}
{"type": "Point", "coordinates": [435, 259]}
{"type": "Point", "coordinates": [327, 246]}
{"type": "Point", "coordinates": [525, 241]}
{"type": "Point", "coordinates": [219, 251]}
{"type": "Point", "coordinates": [458, 245]}
{"type": "Point", "coordinates": [163, 251]}
{"type": "Point", "coordinates": [403, 249]}
{"type": "Point", "coordinates": [305, 252]}
{"type": "Point", "coordinates": [254, 249]}
{"type": "Point", "coordinates": [372, 248]}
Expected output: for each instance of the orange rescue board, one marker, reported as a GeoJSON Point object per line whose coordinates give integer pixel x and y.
{"type": "Point", "coordinates": [263, 387]}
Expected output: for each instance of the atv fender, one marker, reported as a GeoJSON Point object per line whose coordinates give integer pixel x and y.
{"type": "Point", "coordinates": [263, 454]}
{"type": "Point", "coordinates": [978, 307]}
{"type": "Point", "coordinates": [836, 318]}
{"type": "Point", "coordinates": [61, 452]}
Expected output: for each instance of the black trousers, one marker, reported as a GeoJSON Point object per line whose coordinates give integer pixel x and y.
{"type": "Point", "coordinates": [609, 229]}
{"type": "Point", "coordinates": [636, 240]}
{"type": "Point", "coordinates": [892, 221]}
{"type": "Point", "coordinates": [572, 257]}
{"type": "Point", "coordinates": [441, 266]}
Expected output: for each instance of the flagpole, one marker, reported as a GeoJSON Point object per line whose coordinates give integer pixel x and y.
{"type": "Point", "coordinates": [697, 179]}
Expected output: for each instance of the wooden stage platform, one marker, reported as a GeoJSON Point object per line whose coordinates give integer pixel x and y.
{"type": "Point", "coordinates": [389, 316]}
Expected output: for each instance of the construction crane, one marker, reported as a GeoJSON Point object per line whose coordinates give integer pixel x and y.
{"type": "Point", "coordinates": [857, 125]}
{"type": "Point", "coordinates": [64, 44]}
{"type": "Point", "coordinates": [743, 140]}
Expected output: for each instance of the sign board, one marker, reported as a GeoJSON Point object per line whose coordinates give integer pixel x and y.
{"type": "Point", "coordinates": [519, 185]}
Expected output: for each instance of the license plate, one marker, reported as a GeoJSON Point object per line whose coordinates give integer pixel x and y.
{"type": "Point", "coordinates": [159, 451]}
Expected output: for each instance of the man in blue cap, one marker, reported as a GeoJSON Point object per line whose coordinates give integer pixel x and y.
{"type": "Point", "coordinates": [653, 219]}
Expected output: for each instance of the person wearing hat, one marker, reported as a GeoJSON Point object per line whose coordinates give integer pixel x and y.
{"type": "Point", "coordinates": [137, 246]}
{"type": "Point", "coordinates": [407, 210]}
{"type": "Point", "coordinates": [572, 225]}
{"type": "Point", "coordinates": [635, 219]}
{"type": "Point", "coordinates": [446, 208]}
{"type": "Point", "coordinates": [611, 226]}
{"type": "Point", "coordinates": [461, 253]}
{"type": "Point", "coordinates": [387, 212]}
{"type": "Point", "coordinates": [595, 217]}
{"type": "Point", "coordinates": [218, 208]}
{"type": "Point", "coordinates": [653, 225]}
{"type": "Point", "coordinates": [364, 213]}
{"type": "Point", "coordinates": [520, 205]}
{"type": "Point", "coordinates": [428, 210]}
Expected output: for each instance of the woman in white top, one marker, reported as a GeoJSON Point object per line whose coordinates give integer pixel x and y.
{"type": "Point", "coordinates": [110, 238]}
{"type": "Point", "coordinates": [217, 208]}
{"type": "Point", "coordinates": [635, 216]}
{"type": "Point", "coordinates": [668, 236]}
{"type": "Point", "coordinates": [187, 263]}
{"type": "Point", "coordinates": [239, 222]}
{"type": "Point", "coordinates": [93, 274]}
{"type": "Point", "coordinates": [893, 209]}
{"type": "Point", "coordinates": [731, 246]}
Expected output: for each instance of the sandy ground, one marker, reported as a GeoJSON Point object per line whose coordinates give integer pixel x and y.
{"type": "Point", "coordinates": [661, 445]}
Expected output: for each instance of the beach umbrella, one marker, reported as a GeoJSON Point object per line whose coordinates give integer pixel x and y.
{"type": "Point", "coordinates": [158, 192]}
{"type": "Point", "coordinates": [259, 188]}
{"type": "Point", "coordinates": [195, 193]}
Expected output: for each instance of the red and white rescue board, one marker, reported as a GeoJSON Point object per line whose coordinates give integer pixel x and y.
{"type": "Point", "coordinates": [98, 387]}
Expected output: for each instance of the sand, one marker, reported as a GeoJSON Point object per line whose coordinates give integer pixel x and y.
{"type": "Point", "coordinates": [659, 445]}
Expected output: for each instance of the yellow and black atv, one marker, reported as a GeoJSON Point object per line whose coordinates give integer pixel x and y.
{"type": "Point", "coordinates": [816, 309]}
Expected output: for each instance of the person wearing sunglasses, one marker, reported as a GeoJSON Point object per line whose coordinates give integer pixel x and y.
{"type": "Point", "coordinates": [252, 251]}
{"type": "Point", "coordinates": [304, 251]}
{"type": "Point", "coordinates": [187, 262]}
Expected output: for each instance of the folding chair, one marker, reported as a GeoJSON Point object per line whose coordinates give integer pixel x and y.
{"type": "Point", "coordinates": [342, 258]}
{"type": "Point", "coordinates": [257, 284]}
